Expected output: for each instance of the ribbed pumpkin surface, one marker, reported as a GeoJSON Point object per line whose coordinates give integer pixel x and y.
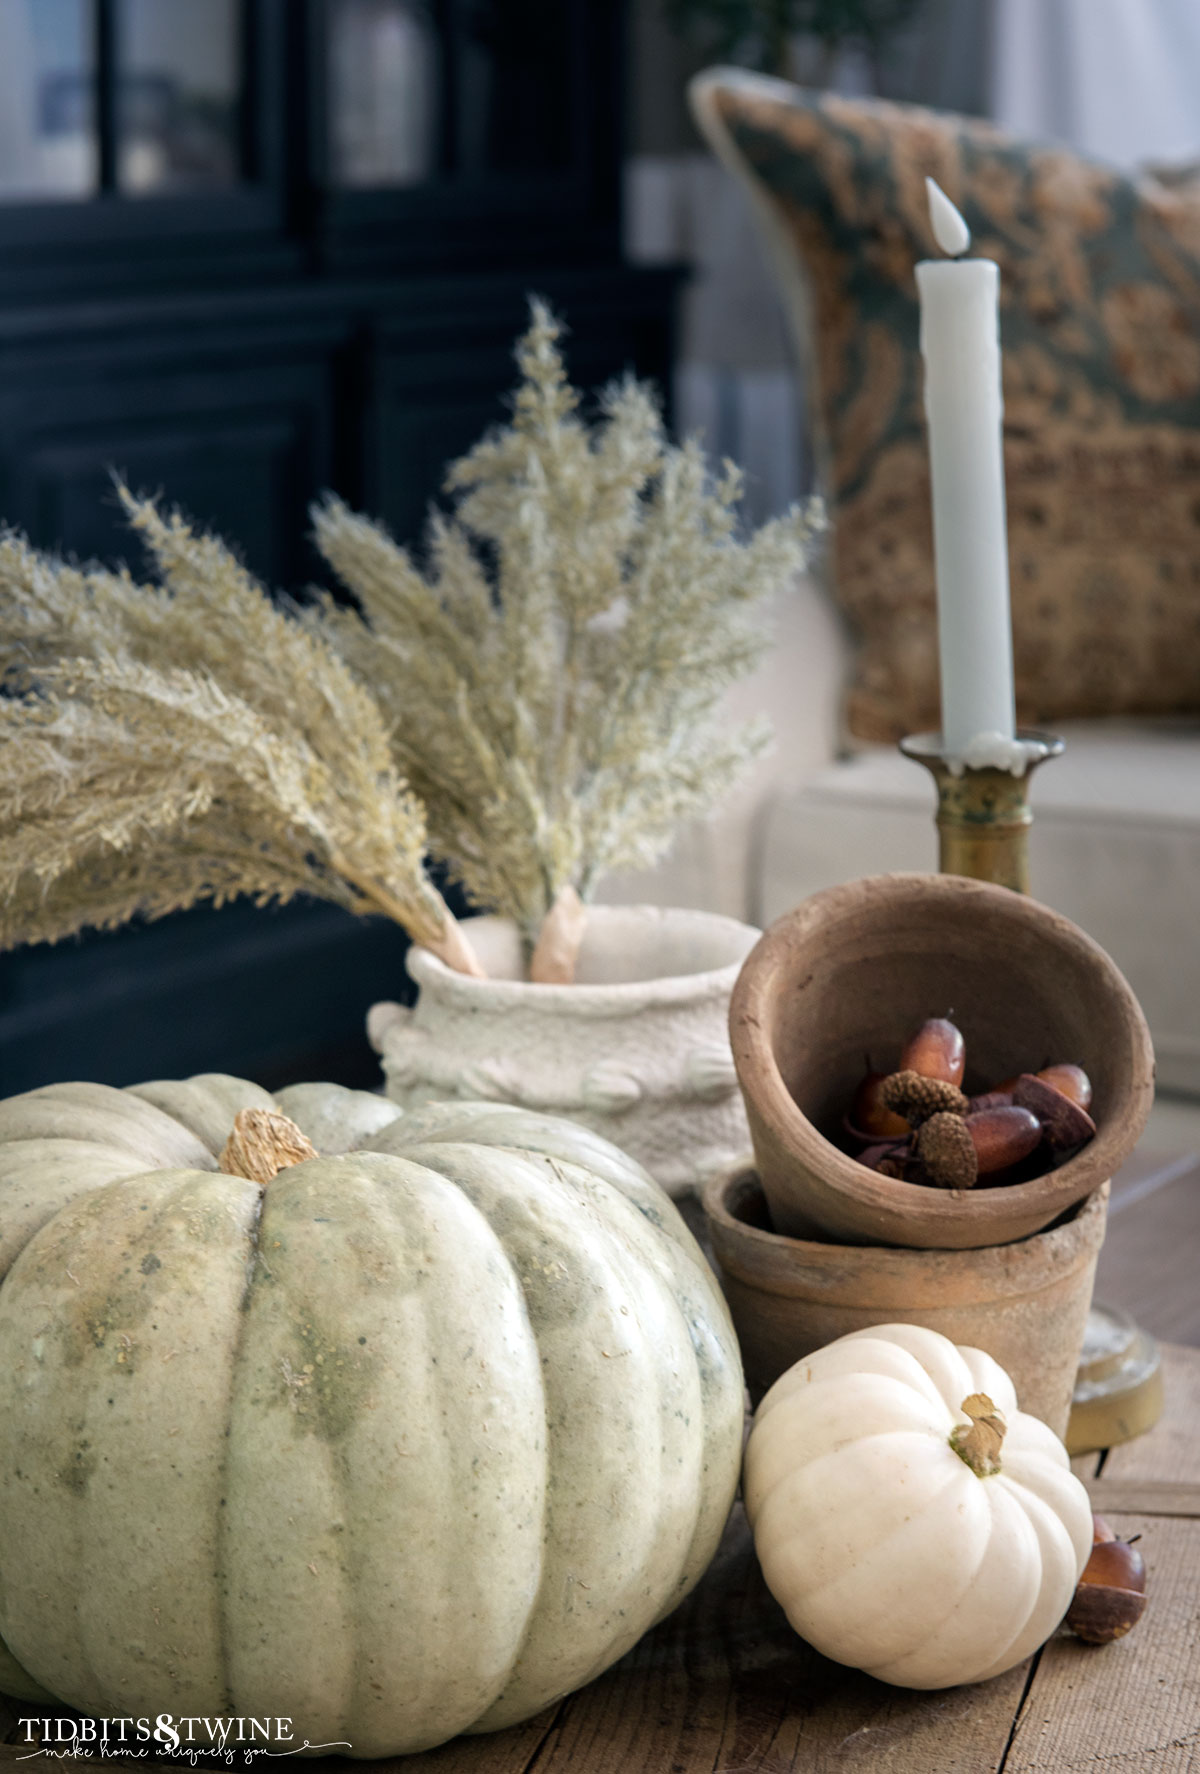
{"type": "Point", "coordinates": [414, 1441]}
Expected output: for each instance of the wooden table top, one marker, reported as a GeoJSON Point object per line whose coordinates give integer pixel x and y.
{"type": "Point", "coordinates": [1149, 1261]}
{"type": "Point", "coordinates": [725, 1687]}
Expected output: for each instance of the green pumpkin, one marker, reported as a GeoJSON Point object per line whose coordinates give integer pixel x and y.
{"type": "Point", "coordinates": [413, 1440]}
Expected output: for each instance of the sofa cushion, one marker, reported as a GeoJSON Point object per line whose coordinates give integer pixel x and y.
{"type": "Point", "coordinates": [1100, 321]}
{"type": "Point", "coordinates": [1115, 846]}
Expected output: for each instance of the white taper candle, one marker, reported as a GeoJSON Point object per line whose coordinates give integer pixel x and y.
{"type": "Point", "coordinates": [960, 342]}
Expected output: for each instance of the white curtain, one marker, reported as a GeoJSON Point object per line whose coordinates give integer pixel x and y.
{"type": "Point", "coordinates": [736, 380]}
{"type": "Point", "coordinates": [1118, 79]}
{"type": "Point", "coordinates": [734, 383]}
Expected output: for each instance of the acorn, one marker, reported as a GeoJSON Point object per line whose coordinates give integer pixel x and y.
{"type": "Point", "coordinates": [936, 1050]}
{"type": "Point", "coordinates": [1003, 1136]}
{"type": "Point", "coordinates": [1111, 1596]}
{"type": "Point", "coordinates": [947, 1151]}
{"type": "Point", "coordinates": [1064, 1124]}
{"type": "Point", "coordinates": [917, 1097]}
{"type": "Point", "coordinates": [1072, 1080]}
{"type": "Point", "coordinates": [989, 1099]}
{"type": "Point", "coordinates": [870, 1117]}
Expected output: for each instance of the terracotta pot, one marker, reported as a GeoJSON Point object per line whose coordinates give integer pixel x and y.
{"type": "Point", "coordinates": [637, 1049]}
{"type": "Point", "coordinates": [851, 973]}
{"type": "Point", "coordinates": [1025, 1303]}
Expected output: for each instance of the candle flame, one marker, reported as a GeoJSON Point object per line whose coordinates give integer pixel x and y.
{"type": "Point", "coordinates": [949, 229]}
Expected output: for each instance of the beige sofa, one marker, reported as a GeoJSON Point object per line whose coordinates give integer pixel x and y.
{"type": "Point", "coordinates": [1115, 842]}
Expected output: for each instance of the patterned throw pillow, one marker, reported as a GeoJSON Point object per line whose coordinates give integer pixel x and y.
{"type": "Point", "coordinates": [1100, 322]}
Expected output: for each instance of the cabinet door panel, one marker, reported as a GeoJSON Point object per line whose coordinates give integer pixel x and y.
{"type": "Point", "coordinates": [439, 375]}
{"type": "Point", "coordinates": [240, 452]}
{"type": "Point", "coordinates": [419, 438]}
{"type": "Point", "coordinates": [272, 994]}
{"type": "Point", "coordinates": [228, 407]}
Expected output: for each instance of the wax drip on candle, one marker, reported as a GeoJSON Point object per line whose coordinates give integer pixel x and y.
{"type": "Point", "coordinates": [999, 751]}
{"type": "Point", "coordinates": [949, 229]}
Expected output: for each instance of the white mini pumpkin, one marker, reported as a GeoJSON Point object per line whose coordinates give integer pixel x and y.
{"type": "Point", "coordinates": [903, 1535]}
{"type": "Point", "coordinates": [410, 1440]}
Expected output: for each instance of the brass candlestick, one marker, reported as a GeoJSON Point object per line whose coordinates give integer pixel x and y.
{"type": "Point", "coordinates": [983, 815]}
{"type": "Point", "coordinates": [983, 822]}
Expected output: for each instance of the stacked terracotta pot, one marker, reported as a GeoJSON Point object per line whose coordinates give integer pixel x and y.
{"type": "Point", "coordinates": [811, 1243]}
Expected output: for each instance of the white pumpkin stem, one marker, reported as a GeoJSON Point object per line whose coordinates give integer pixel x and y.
{"type": "Point", "coordinates": [559, 940]}
{"type": "Point", "coordinates": [263, 1143]}
{"type": "Point", "coordinates": [979, 1442]}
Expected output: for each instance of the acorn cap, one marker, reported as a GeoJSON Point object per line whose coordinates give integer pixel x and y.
{"type": "Point", "coordinates": [917, 1098]}
{"type": "Point", "coordinates": [946, 1149]}
{"type": "Point", "coordinates": [1064, 1124]}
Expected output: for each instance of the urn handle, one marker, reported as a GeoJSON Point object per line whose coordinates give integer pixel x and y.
{"type": "Point", "coordinates": [610, 1088]}
{"type": "Point", "coordinates": [382, 1019]}
{"type": "Point", "coordinates": [709, 1072]}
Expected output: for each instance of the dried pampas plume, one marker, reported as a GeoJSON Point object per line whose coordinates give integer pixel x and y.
{"type": "Point", "coordinates": [545, 695]}
{"type": "Point", "coordinates": [553, 679]}
{"type": "Point", "coordinates": [188, 740]}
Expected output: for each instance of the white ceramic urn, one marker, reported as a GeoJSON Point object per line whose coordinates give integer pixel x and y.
{"type": "Point", "coordinates": [637, 1048]}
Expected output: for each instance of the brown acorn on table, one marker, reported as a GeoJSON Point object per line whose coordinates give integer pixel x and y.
{"type": "Point", "coordinates": [1111, 1595]}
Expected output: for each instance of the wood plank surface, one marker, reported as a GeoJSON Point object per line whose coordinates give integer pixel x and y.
{"type": "Point", "coordinates": [1148, 1262]}
{"type": "Point", "coordinates": [1144, 1496]}
{"type": "Point", "coordinates": [725, 1687]}
{"type": "Point", "coordinates": [1171, 1451]}
{"type": "Point", "coordinates": [725, 1684]}
{"type": "Point", "coordinates": [1134, 1704]}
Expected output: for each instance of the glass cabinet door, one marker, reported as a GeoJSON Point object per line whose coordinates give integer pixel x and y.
{"type": "Point", "coordinates": [178, 95]}
{"type": "Point", "coordinates": [384, 70]}
{"type": "Point", "coordinates": [447, 89]}
{"type": "Point", "coordinates": [514, 86]}
{"type": "Point", "coordinates": [48, 141]}
{"type": "Point", "coordinates": [132, 97]}
{"type": "Point", "coordinates": [364, 133]}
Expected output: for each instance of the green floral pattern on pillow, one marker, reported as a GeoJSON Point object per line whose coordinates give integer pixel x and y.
{"type": "Point", "coordinates": [1100, 321]}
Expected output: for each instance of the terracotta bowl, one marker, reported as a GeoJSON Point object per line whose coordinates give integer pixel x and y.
{"type": "Point", "coordinates": [851, 973]}
{"type": "Point", "coordinates": [1025, 1303]}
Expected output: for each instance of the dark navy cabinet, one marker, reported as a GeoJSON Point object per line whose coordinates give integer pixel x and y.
{"type": "Point", "coordinates": [289, 250]}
